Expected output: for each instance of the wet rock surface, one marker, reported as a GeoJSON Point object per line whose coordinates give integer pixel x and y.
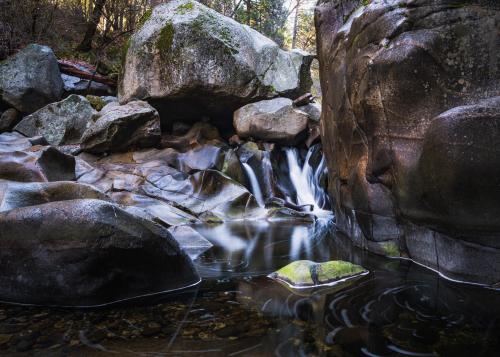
{"type": "Point", "coordinates": [94, 214]}
{"type": "Point", "coordinates": [167, 65]}
{"type": "Point", "coordinates": [410, 129]}
{"type": "Point", "coordinates": [36, 164]}
{"type": "Point", "coordinates": [86, 252]}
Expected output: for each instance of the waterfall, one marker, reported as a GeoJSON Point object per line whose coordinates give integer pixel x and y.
{"type": "Point", "coordinates": [306, 181]}
{"type": "Point", "coordinates": [254, 183]}
{"type": "Point", "coordinates": [267, 173]}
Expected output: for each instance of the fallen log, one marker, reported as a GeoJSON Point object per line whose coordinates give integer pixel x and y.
{"type": "Point", "coordinates": [84, 70]}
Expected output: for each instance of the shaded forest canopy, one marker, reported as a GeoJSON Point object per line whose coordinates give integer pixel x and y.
{"type": "Point", "coordinates": [97, 30]}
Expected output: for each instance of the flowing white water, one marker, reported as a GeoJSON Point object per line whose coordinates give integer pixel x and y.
{"type": "Point", "coordinates": [254, 183]}
{"type": "Point", "coordinates": [306, 181]}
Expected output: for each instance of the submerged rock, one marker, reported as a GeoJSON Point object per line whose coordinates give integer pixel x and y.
{"type": "Point", "coordinates": [304, 273]}
{"type": "Point", "coordinates": [273, 120]}
{"type": "Point", "coordinates": [30, 79]}
{"type": "Point", "coordinates": [192, 242]}
{"type": "Point", "coordinates": [190, 61]}
{"type": "Point", "coordinates": [411, 128]}
{"type": "Point", "coordinates": [60, 123]}
{"type": "Point", "coordinates": [121, 127]}
{"type": "Point", "coordinates": [86, 252]}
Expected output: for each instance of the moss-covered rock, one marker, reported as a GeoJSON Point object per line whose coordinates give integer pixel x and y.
{"type": "Point", "coordinates": [305, 273]}
{"type": "Point", "coordinates": [190, 61]}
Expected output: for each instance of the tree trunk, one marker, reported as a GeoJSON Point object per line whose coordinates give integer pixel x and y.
{"type": "Point", "coordinates": [249, 11]}
{"type": "Point", "coordinates": [295, 25]}
{"type": "Point", "coordinates": [86, 44]}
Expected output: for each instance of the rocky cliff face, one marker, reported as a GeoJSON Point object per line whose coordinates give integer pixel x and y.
{"type": "Point", "coordinates": [411, 129]}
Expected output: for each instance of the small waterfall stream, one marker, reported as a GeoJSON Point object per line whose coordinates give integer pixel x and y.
{"type": "Point", "coordinates": [304, 179]}
{"type": "Point", "coordinates": [256, 191]}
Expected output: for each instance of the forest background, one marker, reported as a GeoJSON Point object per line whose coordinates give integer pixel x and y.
{"type": "Point", "coordinates": [97, 30]}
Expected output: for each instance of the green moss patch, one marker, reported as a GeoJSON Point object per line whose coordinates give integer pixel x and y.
{"type": "Point", "coordinates": [296, 273]}
{"type": "Point", "coordinates": [391, 249]}
{"type": "Point", "coordinates": [144, 18]}
{"type": "Point", "coordinates": [336, 269]}
{"type": "Point", "coordinates": [184, 8]}
{"type": "Point", "coordinates": [304, 273]}
{"type": "Point", "coordinates": [96, 102]}
{"type": "Point", "coordinates": [166, 38]}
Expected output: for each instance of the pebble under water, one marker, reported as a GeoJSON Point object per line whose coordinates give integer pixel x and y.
{"type": "Point", "coordinates": [399, 309]}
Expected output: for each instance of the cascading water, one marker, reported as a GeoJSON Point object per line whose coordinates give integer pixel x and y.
{"type": "Point", "coordinates": [306, 181]}
{"type": "Point", "coordinates": [254, 183]}
{"type": "Point", "coordinates": [303, 188]}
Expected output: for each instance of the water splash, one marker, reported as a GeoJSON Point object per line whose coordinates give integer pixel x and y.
{"type": "Point", "coordinates": [306, 181]}
{"type": "Point", "coordinates": [254, 183]}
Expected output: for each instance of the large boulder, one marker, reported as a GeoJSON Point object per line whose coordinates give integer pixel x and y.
{"type": "Point", "coordinates": [273, 120]}
{"type": "Point", "coordinates": [30, 79]}
{"type": "Point", "coordinates": [411, 127]}
{"type": "Point", "coordinates": [61, 123]}
{"type": "Point", "coordinates": [86, 252]}
{"type": "Point", "coordinates": [122, 127]}
{"type": "Point", "coordinates": [190, 61]}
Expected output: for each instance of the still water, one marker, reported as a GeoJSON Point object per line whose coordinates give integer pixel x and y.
{"type": "Point", "coordinates": [399, 309]}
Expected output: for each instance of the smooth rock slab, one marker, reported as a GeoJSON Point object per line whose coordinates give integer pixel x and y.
{"type": "Point", "coordinates": [86, 253]}
{"type": "Point", "coordinates": [61, 123]}
{"type": "Point", "coordinates": [308, 274]}
{"type": "Point", "coordinates": [37, 164]}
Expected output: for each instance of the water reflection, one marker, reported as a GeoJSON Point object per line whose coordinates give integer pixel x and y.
{"type": "Point", "coordinates": [399, 309]}
{"type": "Point", "coordinates": [259, 248]}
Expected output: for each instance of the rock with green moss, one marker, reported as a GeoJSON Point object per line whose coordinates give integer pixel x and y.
{"type": "Point", "coordinates": [190, 61]}
{"type": "Point", "coordinates": [308, 274]}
